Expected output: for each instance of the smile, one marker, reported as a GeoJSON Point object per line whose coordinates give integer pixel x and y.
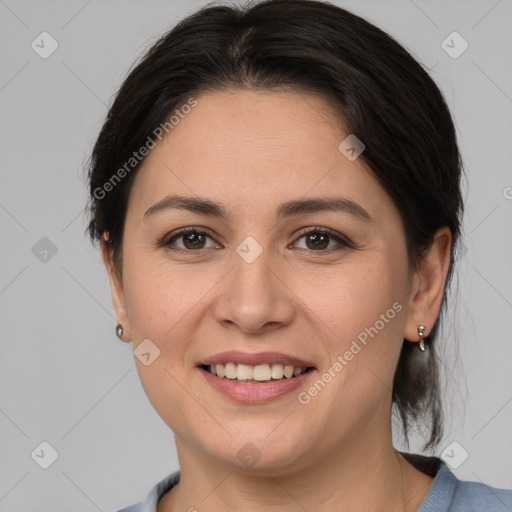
{"type": "Point", "coordinates": [259, 373]}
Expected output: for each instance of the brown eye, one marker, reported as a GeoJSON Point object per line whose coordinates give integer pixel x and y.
{"type": "Point", "coordinates": [318, 240]}
{"type": "Point", "coordinates": [193, 240]}
{"type": "Point", "coordinates": [189, 240]}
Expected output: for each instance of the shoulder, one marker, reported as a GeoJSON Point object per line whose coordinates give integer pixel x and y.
{"type": "Point", "coordinates": [154, 495]}
{"type": "Point", "coordinates": [477, 496]}
{"type": "Point", "coordinates": [449, 494]}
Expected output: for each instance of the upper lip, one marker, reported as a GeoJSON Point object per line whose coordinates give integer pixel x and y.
{"type": "Point", "coordinates": [255, 359]}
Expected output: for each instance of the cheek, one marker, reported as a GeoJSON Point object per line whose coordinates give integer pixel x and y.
{"type": "Point", "coordinates": [350, 299]}
{"type": "Point", "coordinates": [161, 297]}
{"type": "Point", "coordinates": [359, 312]}
{"type": "Point", "coordinates": [165, 305]}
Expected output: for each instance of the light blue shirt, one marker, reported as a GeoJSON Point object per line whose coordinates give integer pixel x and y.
{"type": "Point", "coordinates": [447, 494]}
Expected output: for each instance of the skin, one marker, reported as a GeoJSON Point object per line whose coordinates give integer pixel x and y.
{"type": "Point", "coordinates": [250, 151]}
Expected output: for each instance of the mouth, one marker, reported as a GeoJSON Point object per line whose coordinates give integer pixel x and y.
{"type": "Point", "coordinates": [255, 378]}
{"type": "Point", "coordinates": [262, 373]}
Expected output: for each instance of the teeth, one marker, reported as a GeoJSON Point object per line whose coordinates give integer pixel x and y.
{"type": "Point", "coordinates": [230, 371]}
{"type": "Point", "coordinates": [277, 371]}
{"type": "Point", "coordinates": [288, 371]}
{"type": "Point", "coordinates": [243, 372]}
{"type": "Point", "coordinates": [261, 372]}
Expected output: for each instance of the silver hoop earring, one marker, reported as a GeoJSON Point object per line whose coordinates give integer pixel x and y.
{"type": "Point", "coordinates": [119, 331]}
{"type": "Point", "coordinates": [421, 329]}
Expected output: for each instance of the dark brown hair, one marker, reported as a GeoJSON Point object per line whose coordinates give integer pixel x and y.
{"type": "Point", "coordinates": [379, 92]}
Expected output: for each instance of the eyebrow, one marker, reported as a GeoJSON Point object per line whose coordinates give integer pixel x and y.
{"type": "Point", "coordinates": [203, 206]}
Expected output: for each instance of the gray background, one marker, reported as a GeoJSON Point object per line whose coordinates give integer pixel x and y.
{"type": "Point", "coordinates": [67, 380]}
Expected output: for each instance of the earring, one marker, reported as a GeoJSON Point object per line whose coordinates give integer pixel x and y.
{"type": "Point", "coordinates": [421, 329]}
{"type": "Point", "coordinates": [119, 331]}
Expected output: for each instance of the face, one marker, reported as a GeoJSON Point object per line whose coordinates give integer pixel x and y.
{"type": "Point", "coordinates": [277, 279]}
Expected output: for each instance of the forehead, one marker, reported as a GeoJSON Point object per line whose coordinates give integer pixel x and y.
{"type": "Point", "coordinates": [249, 148]}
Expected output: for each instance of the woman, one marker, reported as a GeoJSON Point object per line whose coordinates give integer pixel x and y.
{"type": "Point", "coordinates": [276, 191]}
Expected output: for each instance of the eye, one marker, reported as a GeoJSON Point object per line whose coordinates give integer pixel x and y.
{"type": "Point", "coordinates": [318, 240]}
{"type": "Point", "coordinates": [192, 240]}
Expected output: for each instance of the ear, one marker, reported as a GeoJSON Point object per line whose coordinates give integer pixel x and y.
{"type": "Point", "coordinates": [428, 286]}
{"type": "Point", "coordinates": [116, 287]}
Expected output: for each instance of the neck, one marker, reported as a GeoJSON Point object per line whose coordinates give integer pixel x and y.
{"type": "Point", "coordinates": [362, 475]}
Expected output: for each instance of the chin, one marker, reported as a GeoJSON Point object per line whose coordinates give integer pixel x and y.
{"type": "Point", "coordinates": [261, 453]}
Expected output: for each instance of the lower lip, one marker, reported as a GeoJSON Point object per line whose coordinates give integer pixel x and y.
{"type": "Point", "coordinates": [252, 393]}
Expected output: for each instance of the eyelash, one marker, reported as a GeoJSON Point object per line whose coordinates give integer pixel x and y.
{"type": "Point", "coordinates": [168, 240]}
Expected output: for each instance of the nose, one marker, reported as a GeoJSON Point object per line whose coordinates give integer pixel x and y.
{"type": "Point", "coordinates": [254, 297]}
